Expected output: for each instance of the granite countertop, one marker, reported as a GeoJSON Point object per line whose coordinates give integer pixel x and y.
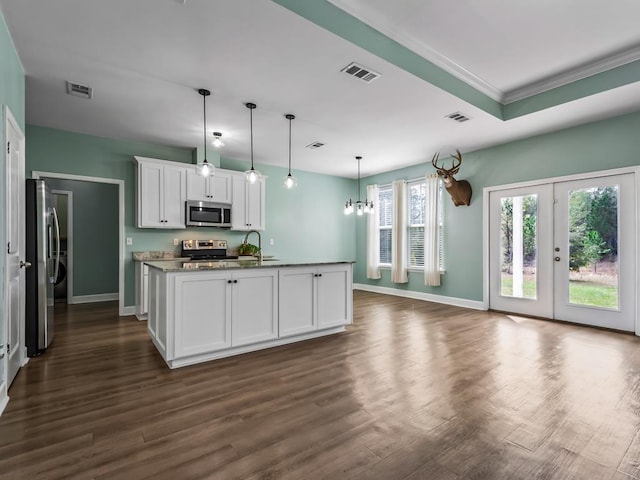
{"type": "Point", "coordinates": [180, 266]}
{"type": "Point", "coordinates": [155, 256]}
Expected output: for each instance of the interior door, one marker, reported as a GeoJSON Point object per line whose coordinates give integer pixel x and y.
{"type": "Point", "coordinates": [594, 252]}
{"type": "Point", "coordinates": [566, 251]}
{"type": "Point", "coordinates": [15, 249]}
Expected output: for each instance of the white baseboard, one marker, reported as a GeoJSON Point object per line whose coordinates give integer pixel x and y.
{"type": "Point", "coordinates": [130, 310]}
{"type": "Point", "coordinates": [4, 398]}
{"type": "Point", "coordinates": [101, 297]}
{"type": "Point", "coordinates": [429, 297]}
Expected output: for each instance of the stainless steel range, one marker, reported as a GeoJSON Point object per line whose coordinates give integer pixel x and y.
{"type": "Point", "coordinates": [206, 250]}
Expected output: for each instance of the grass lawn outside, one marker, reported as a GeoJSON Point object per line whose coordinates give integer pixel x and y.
{"type": "Point", "coordinates": [580, 292]}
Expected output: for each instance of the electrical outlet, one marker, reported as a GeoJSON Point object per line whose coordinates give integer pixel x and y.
{"type": "Point", "coordinates": [176, 242]}
{"type": "Point", "coordinates": [129, 241]}
{"type": "Point", "coordinates": [272, 242]}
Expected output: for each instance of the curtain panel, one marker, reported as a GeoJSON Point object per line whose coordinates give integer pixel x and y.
{"type": "Point", "coordinates": [373, 236]}
{"type": "Point", "coordinates": [432, 231]}
{"type": "Point", "coordinates": [399, 239]}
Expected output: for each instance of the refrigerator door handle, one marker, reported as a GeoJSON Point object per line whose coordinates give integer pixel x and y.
{"type": "Point", "coordinates": [57, 225]}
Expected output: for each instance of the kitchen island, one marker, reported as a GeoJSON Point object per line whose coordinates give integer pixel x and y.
{"type": "Point", "coordinates": [201, 311]}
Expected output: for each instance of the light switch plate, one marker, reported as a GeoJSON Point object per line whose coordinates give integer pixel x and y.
{"type": "Point", "coordinates": [129, 241]}
{"type": "Point", "coordinates": [176, 242]}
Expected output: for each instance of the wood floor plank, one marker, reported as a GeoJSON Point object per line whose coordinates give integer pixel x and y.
{"type": "Point", "coordinates": [412, 390]}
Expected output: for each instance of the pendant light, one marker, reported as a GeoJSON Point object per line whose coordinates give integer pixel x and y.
{"type": "Point", "coordinates": [290, 181]}
{"type": "Point", "coordinates": [252, 175]}
{"type": "Point", "coordinates": [217, 140]}
{"type": "Point", "coordinates": [205, 168]}
{"type": "Point", "coordinates": [358, 206]}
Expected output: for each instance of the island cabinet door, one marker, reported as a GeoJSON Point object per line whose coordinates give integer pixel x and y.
{"type": "Point", "coordinates": [297, 301]}
{"type": "Point", "coordinates": [334, 287]}
{"type": "Point", "coordinates": [255, 306]}
{"type": "Point", "coordinates": [202, 313]}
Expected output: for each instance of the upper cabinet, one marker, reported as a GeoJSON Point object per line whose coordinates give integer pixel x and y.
{"type": "Point", "coordinates": [248, 210]}
{"type": "Point", "coordinates": [216, 188]}
{"type": "Point", "coordinates": [164, 187]}
{"type": "Point", "coordinates": [162, 191]}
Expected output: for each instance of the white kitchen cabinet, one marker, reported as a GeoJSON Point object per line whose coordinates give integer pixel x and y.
{"type": "Point", "coordinates": [142, 290]}
{"type": "Point", "coordinates": [203, 307]}
{"type": "Point", "coordinates": [314, 298]}
{"type": "Point", "coordinates": [201, 315]}
{"type": "Point", "coordinates": [248, 210]}
{"type": "Point", "coordinates": [216, 188]}
{"type": "Point", "coordinates": [255, 306]}
{"type": "Point", "coordinates": [162, 192]}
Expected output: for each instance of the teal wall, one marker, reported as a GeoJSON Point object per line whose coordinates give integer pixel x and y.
{"type": "Point", "coordinates": [602, 145]}
{"type": "Point", "coordinates": [305, 223]}
{"type": "Point", "coordinates": [95, 235]}
{"type": "Point", "coordinates": [12, 96]}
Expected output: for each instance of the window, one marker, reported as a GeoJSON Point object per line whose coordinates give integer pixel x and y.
{"type": "Point", "coordinates": [415, 224]}
{"type": "Point", "coordinates": [385, 211]}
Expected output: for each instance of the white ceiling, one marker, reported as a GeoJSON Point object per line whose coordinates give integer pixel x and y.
{"type": "Point", "coordinates": [146, 59]}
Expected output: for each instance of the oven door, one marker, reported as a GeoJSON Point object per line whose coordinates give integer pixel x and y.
{"type": "Point", "coordinates": [206, 214]}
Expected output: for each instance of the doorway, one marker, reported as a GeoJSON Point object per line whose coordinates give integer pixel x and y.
{"type": "Point", "coordinates": [566, 250]}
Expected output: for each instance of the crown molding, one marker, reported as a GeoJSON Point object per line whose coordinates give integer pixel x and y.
{"type": "Point", "coordinates": [603, 64]}
{"type": "Point", "coordinates": [426, 52]}
{"type": "Point", "coordinates": [628, 55]}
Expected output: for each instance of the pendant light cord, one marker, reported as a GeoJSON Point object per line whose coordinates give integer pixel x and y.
{"type": "Point", "coordinates": [290, 118]}
{"type": "Point", "coordinates": [359, 158]}
{"type": "Point", "coordinates": [204, 126]}
{"type": "Point", "coordinates": [251, 127]}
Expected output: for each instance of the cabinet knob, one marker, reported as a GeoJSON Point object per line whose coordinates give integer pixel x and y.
{"type": "Point", "coordinates": [229, 281]}
{"type": "Point", "coordinates": [319, 274]}
{"type": "Point", "coordinates": [235, 281]}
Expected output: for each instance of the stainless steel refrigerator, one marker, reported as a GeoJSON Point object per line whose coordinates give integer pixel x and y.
{"type": "Point", "coordinates": [43, 252]}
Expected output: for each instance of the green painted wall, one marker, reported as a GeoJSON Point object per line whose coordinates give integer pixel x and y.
{"type": "Point", "coordinates": [596, 146]}
{"type": "Point", "coordinates": [57, 151]}
{"type": "Point", "coordinates": [306, 223]}
{"type": "Point", "coordinates": [12, 96]}
{"type": "Point", "coordinates": [95, 235]}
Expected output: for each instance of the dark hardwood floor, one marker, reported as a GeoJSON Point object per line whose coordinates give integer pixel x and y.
{"type": "Point", "coordinates": [413, 390]}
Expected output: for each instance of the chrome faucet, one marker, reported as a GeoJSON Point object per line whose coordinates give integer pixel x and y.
{"type": "Point", "coordinates": [259, 242]}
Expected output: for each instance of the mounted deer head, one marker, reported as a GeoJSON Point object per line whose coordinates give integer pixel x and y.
{"type": "Point", "coordinates": [460, 190]}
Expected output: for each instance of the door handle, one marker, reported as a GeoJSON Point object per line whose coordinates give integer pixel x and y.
{"type": "Point", "coordinates": [24, 264]}
{"type": "Point", "coordinates": [557, 259]}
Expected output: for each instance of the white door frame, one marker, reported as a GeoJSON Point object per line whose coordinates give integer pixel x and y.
{"type": "Point", "coordinates": [69, 266]}
{"type": "Point", "coordinates": [566, 178]}
{"type": "Point", "coordinates": [120, 184]}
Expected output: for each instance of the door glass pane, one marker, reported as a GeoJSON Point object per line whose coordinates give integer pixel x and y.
{"type": "Point", "coordinates": [518, 246]}
{"type": "Point", "coordinates": [593, 247]}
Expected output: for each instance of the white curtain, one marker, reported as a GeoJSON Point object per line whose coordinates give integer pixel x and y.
{"type": "Point", "coordinates": [399, 240]}
{"type": "Point", "coordinates": [432, 231]}
{"type": "Point", "coordinates": [373, 235]}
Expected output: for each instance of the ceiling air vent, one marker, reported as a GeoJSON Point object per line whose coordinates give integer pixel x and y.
{"type": "Point", "coordinates": [315, 145]}
{"type": "Point", "coordinates": [365, 74]}
{"type": "Point", "coordinates": [458, 117]}
{"type": "Point", "coordinates": [79, 90]}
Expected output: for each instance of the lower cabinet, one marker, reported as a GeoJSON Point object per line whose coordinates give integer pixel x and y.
{"type": "Point", "coordinates": [314, 298]}
{"type": "Point", "coordinates": [200, 316]}
{"type": "Point", "coordinates": [142, 287]}
{"type": "Point", "coordinates": [214, 311]}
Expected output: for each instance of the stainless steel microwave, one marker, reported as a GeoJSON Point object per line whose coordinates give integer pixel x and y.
{"type": "Point", "coordinates": [207, 214]}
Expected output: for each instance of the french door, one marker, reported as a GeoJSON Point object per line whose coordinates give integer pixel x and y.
{"type": "Point", "coordinates": [566, 250]}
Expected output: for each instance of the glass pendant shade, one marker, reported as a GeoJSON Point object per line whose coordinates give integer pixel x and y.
{"type": "Point", "coordinates": [204, 169]}
{"type": "Point", "coordinates": [251, 175]}
{"type": "Point", "coordinates": [290, 181]}
{"type": "Point", "coordinates": [358, 206]}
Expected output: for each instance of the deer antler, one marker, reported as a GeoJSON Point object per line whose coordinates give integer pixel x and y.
{"type": "Point", "coordinates": [456, 166]}
{"type": "Point", "coordinates": [434, 161]}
